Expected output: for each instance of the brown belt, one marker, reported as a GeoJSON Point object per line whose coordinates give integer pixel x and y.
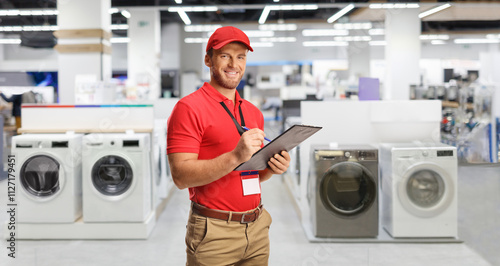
{"type": "Point", "coordinates": [242, 217]}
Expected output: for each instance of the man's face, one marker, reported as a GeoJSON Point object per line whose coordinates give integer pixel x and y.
{"type": "Point", "coordinates": [227, 65]}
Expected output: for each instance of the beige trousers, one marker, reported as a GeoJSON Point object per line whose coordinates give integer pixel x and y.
{"type": "Point", "coordinates": [216, 242]}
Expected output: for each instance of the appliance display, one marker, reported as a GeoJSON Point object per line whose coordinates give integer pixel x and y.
{"type": "Point", "coordinates": [49, 168]}
{"type": "Point", "coordinates": [343, 191]}
{"type": "Point", "coordinates": [161, 172]}
{"type": "Point", "coordinates": [116, 177]}
{"type": "Point", "coordinates": [419, 189]}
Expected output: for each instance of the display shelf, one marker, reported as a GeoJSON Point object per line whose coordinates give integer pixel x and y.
{"type": "Point", "coordinates": [89, 130]}
{"type": "Point", "coordinates": [85, 231]}
{"type": "Point", "coordinates": [455, 105]}
{"type": "Point", "coordinates": [383, 236]}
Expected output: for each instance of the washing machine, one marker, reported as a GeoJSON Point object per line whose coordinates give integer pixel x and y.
{"type": "Point", "coordinates": [49, 172]}
{"type": "Point", "coordinates": [116, 177]}
{"type": "Point", "coordinates": [159, 162]}
{"type": "Point", "coordinates": [343, 191]}
{"type": "Point", "coordinates": [419, 188]}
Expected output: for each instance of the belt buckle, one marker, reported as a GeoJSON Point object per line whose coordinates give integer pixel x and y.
{"type": "Point", "coordinates": [243, 219]}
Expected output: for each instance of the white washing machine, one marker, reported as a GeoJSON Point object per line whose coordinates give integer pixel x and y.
{"type": "Point", "coordinates": [343, 191]}
{"type": "Point", "coordinates": [419, 188]}
{"type": "Point", "coordinates": [161, 172]}
{"type": "Point", "coordinates": [116, 177]}
{"type": "Point", "coordinates": [49, 168]}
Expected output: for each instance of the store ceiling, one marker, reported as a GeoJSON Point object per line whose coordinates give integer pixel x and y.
{"type": "Point", "coordinates": [462, 16]}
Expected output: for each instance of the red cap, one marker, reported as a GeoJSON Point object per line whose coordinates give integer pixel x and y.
{"type": "Point", "coordinates": [225, 35]}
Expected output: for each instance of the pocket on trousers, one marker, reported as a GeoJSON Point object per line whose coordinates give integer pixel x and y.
{"type": "Point", "coordinates": [196, 232]}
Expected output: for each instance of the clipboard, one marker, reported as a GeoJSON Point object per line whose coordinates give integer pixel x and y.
{"type": "Point", "coordinates": [286, 141]}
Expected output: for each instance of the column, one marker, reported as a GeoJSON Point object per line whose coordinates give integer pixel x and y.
{"type": "Point", "coordinates": [359, 59]}
{"type": "Point", "coordinates": [83, 44]}
{"type": "Point", "coordinates": [402, 53]}
{"type": "Point", "coordinates": [144, 53]}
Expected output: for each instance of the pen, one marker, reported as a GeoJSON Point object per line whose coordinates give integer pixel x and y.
{"type": "Point", "coordinates": [246, 129]}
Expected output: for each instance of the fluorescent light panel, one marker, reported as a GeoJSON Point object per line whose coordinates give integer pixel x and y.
{"type": "Point", "coordinates": [28, 28]}
{"type": "Point", "coordinates": [324, 32]}
{"type": "Point", "coordinates": [268, 8]}
{"type": "Point", "coordinates": [201, 28]}
{"type": "Point", "coordinates": [377, 43]}
{"type": "Point", "coordinates": [435, 37]}
{"type": "Point", "coordinates": [393, 5]}
{"type": "Point", "coordinates": [353, 26]}
{"type": "Point", "coordinates": [120, 40]}
{"type": "Point", "coordinates": [279, 39]}
{"type": "Point", "coordinates": [437, 42]}
{"type": "Point", "coordinates": [10, 41]}
{"type": "Point", "coordinates": [352, 38]}
{"type": "Point", "coordinates": [324, 43]}
{"type": "Point", "coordinates": [193, 9]}
{"type": "Point", "coordinates": [125, 13]}
{"type": "Point", "coordinates": [35, 12]}
{"type": "Point", "coordinates": [278, 27]}
{"type": "Point", "coordinates": [476, 41]}
{"type": "Point", "coordinates": [376, 32]}
{"type": "Point", "coordinates": [339, 14]}
{"type": "Point", "coordinates": [433, 10]}
{"type": "Point", "coordinates": [184, 17]}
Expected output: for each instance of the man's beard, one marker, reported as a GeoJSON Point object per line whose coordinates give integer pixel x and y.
{"type": "Point", "coordinates": [225, 83]}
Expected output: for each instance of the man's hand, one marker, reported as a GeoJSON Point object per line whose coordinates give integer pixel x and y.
{"type": "Point", "coordinates": [249, 143]}
{"type": "Point", "coordinates": [279, 162]}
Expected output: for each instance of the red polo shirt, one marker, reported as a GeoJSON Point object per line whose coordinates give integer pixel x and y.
{"type": "Point", "coordinates": [199, 124]}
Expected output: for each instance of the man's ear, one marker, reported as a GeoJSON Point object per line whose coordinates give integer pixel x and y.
{"type": "Point", "coordinates": [208, 61]}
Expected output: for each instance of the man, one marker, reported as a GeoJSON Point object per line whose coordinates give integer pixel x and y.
{"type": "Point", "coordinates": [206, 141]}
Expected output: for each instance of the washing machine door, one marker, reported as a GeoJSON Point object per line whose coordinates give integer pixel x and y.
{"type": "Point", "coordinates": [112, 175]}
{"type": "Point", "coordinates": [425, 189]}
{"type": "Point", "coordinates": [40, 176]}
{"type": "Point", "coordinates": [348, 189]}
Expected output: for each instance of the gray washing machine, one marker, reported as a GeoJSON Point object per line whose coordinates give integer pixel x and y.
{"type": "Point", "coordinates": [343, 191]}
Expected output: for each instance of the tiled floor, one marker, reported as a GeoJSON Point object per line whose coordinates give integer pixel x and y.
{"type": "Point", "coordinates": [478, 227]}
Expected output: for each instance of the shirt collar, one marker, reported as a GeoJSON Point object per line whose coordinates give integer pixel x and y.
{"type": "Point", "coordinates": [217, 96]}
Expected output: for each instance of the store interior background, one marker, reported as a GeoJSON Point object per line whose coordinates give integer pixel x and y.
{"type": "Point", "coordinates": [286, 69]}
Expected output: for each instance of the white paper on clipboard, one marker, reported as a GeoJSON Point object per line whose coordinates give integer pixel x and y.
{"type": "Point", "coordinates": [286, 141]}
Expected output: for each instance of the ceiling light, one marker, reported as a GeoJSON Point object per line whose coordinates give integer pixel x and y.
{"type": "Point", "coordinates": [353, 26]}
{"type": "Point", "coordinates": [125, 13]}
{"type": "Point", "coordinates": [378, 43]}
{"type": "Point", "coordinates": [376, 31]}
{"type": "Point", "coordinates": [433, 10]}
{"type": "Point", "coordinates": [201, 28]}
{"type": "Point", "coordinates": [113, 10]}
{"type": "Point", "coordinates": [193, 9]}
{"type": "Point", "coordinates": [435, 37]}
{"type": "Point", "coordinates": [268, 8]}
{"type": "Point", "coordinates": [438, 42]}
{"type": "Point", "coordinates": [10, 41]}
{"type": "Point", "coordinates": [278, 27]}
{"type": "Point", "coordinates": [262, 44]}
{"type": "Point", "coordinates": [476, 41]}
{"type": "Point", "coordinates": [259, 33]}
{"type": "Point", "coordinates": [184, 17]}
{"type": "Point", "coordinates": [263, 16]}
{"type": "Point", "coordinates": [120, 40]}
{"type": "Point", "coordinates": [353, 38]}
{"type": "Point", "coordinates": [493, 36]}
{"type": "Point", "coordinates": [178, 1]}
{"type": "Point", "coordinates": [29, 28]}
{"type": "Point", "coordinates": [339, 14]}
{"type": "Point", "coordinates": [35, 12]}
{"type": "Point", "coordinates": [324, 32]}
{"type": "Point", "coordinates": [393, 5]}
{"type": "Point", "coordinates": [195, 40]}
{"type": "Point", "coordinates": [324, 43]}
{"type": "Point", "coordinates": [279, 39]}
{"type": "Point", "coordinates": [119, 27]}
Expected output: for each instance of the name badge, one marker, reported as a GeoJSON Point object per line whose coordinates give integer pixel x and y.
{"type": "Point", "coordinates": [250, 182]}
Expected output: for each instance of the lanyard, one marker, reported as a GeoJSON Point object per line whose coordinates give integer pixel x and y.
{"type": "Point", "coordinates": [238, 127]}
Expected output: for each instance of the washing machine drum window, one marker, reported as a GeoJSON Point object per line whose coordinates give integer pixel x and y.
{"type": "Point", "coordinates": [40, 176]}
{"type": "Point", "coordinates": [347, 189]}
{"type": "Point", "coordinates": [112, 175]}
{"type": "Point", "coordinates": [425, 188]}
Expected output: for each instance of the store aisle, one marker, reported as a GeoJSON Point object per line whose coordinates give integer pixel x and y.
{"type": "Point", "coordinates": [289, 245]}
